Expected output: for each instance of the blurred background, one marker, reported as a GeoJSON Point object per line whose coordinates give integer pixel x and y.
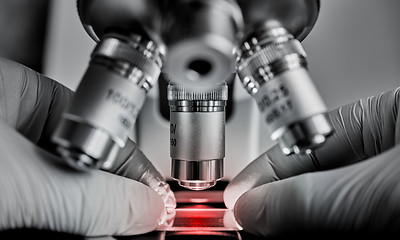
{"type": "Point", "coordinates": [23, 26]}
{"type": "Point", "coordinates": [353, 50]}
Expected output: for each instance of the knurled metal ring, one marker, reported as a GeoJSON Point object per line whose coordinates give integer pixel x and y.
{"type": "Point", "coordinates": [116, 49]}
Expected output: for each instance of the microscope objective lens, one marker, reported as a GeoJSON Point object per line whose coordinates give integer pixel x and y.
{"type": "Point", "coordinates": [107, 101]}
{"type": "Point", "coordinates": [197, 144]}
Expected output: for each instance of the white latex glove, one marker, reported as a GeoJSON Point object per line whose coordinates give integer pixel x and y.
{"type": "Point", "coordinates": [37, 190]}
{"type": "Point", "coordinates": [350, 185]}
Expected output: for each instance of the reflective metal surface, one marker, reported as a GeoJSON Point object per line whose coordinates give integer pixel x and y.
{"type": "Point", "coordinates": [197, 175]}
{"type": "Point", "coordinates": [200, 36]}
{"type": "Point", "coordinates": [272, 66]}
{"type": "Point", "coordinates": [195, 40]}
{"type": "Point", "coordinates": [197, 135]}
{"type": "Point", "coordinates": [101, 117]}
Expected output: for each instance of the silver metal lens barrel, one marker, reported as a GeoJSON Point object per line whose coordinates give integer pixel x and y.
{"type": "Point", "coordinates": [273, 68]}
{"type": "Point", "coordinates": [197, 135]}
{"type": "Point", "coordinates": [107, 101]}
{"type": "Point", "coordinates": [200, 36]}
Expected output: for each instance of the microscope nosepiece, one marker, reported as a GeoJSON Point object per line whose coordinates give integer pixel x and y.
{"type": "Point", "coordinates": [197, 135]}
{"type": "Point", "coordinates": [200, 36]}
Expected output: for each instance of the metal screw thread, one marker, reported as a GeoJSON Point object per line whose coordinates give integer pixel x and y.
{"type": "Point", "coordinates": [180, 92]}
{"type": "Point", "coordinates": [262, 57]}
{"type": "Point", "coordinates": [182, 99]}
{"type": "Point", "coordinates": [135, 58]}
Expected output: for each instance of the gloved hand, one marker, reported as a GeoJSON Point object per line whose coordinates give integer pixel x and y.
{"type": "Point", "coordinates": [37, 190]}
{"type": "Point", "coordinates": [350, 185]}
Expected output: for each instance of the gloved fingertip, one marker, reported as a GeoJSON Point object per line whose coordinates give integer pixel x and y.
{"type": "Point", "coordinates": [230, 221]}
{"type": "Point", "coordinates": [239, 212]}
{"type": "Point", "coordinates": [255, 174]}
{"type": "Point", "coordinates": [236, 188]}
{"type": "Point", "coordinates": [249, 211]}
{"type": "Point", "coordinates": [138, 167]}
{"type": "Point", "coordinates": [162, 217]}
{"type": "Point", "coordinates": [231, 195]}
{"type": "Point", "coordinates": [164, 190]}
{"type": "Point", "coordinates": [146, 210]}
{"type": "Point", "coordinates": [167, 219]}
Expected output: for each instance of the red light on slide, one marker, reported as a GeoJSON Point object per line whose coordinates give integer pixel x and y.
{"type": "Point", "coordinates": [201, 219]}
{"type": "Point", "coordinates": [198, 217]}
{"type": "Point", "coordinates": [199, 200]}
{"type": "Point", "coordinates": [203, 197]}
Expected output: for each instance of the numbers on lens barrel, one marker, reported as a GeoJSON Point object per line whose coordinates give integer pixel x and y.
{"type": "Point", "coordinates": [273, 96]}
{"type": "Point", "coordinates": [173, 142]}
{"type": "Point", "coordinates": [276, 112]}
{"type": "Point", "coordinates": [275, 102]}
{"type": "Point", "coordinates": [172, 131]}
{"type": "Point", "coordinates": [123, 102]}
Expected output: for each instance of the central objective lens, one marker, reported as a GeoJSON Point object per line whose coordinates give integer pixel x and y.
{"type": "Point", "coordinates": [197, 135]}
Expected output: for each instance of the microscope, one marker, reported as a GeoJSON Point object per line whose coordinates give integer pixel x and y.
{"type": "Point", "coordinates": [172, 67]}
{"type": "Point", "coordinates": [197, 48]}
